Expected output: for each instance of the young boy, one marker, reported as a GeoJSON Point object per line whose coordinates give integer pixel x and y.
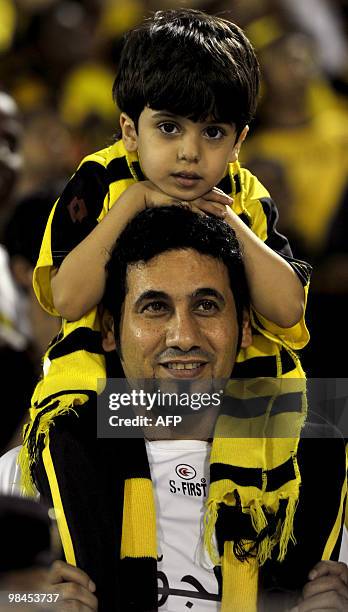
{"type": "Point", "coordinates": [187, 86]}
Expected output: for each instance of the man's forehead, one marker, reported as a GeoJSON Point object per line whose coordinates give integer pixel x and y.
{"type": "Point", "coordinates": [181, 272]}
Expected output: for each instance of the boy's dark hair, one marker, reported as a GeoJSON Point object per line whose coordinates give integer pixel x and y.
{"type": "Point", "coordinates": [191, 64]}
{"type": "Point", "coordinates": [157, 230]}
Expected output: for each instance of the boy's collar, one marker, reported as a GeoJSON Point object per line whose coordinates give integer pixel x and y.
{"type": "Point", "coordinates": [231, 183]}
{"type": "Point", "coordinates": [133, 163]}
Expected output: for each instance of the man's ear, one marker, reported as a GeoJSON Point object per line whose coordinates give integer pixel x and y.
{"type": "Point", "coordinates": [107, 329]}
{"type": "Point", "coordinates": [129, 133]}
{"type": "Point", "coordinates": [247, 336]}
{"type": "Point", "coordinates": [238, 144]}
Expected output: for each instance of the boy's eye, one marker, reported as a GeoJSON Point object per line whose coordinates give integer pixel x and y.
{"type": "Point", "coordinates": [214, 132]}
{"type": "Point", "coordinates": [207, 307]}
{"type": "Point", "coordinates": [155, 308]}
{"type": "Point", "coordinates": [168, 128]}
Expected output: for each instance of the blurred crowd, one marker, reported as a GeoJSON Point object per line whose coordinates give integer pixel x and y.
{"type": "Point", "coordinates": [58, 59]}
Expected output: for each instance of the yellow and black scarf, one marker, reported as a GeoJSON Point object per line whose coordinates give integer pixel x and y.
{"type": "Point", "coordinates": [104, 500]}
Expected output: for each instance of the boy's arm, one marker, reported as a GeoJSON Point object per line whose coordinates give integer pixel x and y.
{"type": "Point", "coordinates": [78, 284]}
{"type": "Point", "coordinates": [276, 290]}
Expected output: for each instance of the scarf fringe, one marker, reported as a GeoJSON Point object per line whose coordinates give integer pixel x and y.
{"type": "Point", "coordinates": [267, 535]}
{"type": "Point", "coordinates": [210, 518]}
{"type": "Point", "coordinates": [35, 435]}
{"type": "Point", "coordinates": [287, 531]}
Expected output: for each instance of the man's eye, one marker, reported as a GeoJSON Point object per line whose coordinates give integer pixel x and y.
{"type": "Point", "coordinates": [168, 128]}
{"type": "Point", "coordinates": [207, 306]}
{"type": "Point", "coordinates": [155, 307]}
{"type": "Point", "coordinates": [214, 132]}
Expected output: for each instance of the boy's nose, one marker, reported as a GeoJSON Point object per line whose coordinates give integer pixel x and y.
{"type": "Point", "coordinates": [189, 150]}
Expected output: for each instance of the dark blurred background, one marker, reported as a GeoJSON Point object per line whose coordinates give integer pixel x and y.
{"type": "Point", "coordinates": [58, 59]}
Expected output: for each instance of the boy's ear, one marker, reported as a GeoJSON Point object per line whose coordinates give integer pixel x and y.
{"type": "Point", "coordinates": [107, 329]}
{"type": "Point", "coordinates": [247, 336]}
{"type": "Point", "coordinates": [129, 133]}
{"type": "Point", "coordinates": [238, 144]}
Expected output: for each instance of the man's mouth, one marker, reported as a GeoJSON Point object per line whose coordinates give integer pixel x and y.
{"type": "Point", "coordinates": [181, 369]}
{"type": "Point", "coordinates": [182, 366]}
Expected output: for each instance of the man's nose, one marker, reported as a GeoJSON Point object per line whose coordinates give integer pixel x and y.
{"type": "Point", "coordinates": [183, 332]}
{"type": "Point", "coordinates": [189, 148]}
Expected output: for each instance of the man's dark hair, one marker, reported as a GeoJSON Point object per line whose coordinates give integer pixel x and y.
{"type": "Point", "coordinates": [191, 64]}
{"type": "Point", "coordinates": [157, 230]}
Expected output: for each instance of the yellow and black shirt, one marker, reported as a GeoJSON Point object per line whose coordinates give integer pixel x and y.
{"type": "Point", "coordinates": [95, 187]}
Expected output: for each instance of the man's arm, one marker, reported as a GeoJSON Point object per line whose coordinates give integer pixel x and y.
{"type": "Point", "coordinates": [327, 589]}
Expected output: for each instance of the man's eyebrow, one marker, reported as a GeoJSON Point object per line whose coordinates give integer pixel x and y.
{"type": "Point", "coordinates": [209, 292]}
{"type": "Point", "coordinates": [151, 294]}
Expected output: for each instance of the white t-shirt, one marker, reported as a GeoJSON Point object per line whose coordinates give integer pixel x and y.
{"type": "Point", "coordinates": [180, 473]}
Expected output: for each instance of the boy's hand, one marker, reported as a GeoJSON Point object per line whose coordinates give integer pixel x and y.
{"type": "Point", "coordinates": [327, 589]}
{"type": "Point", "coordinates": [74, 587]}
{"type": "Point", "coordinates": [214, 202]}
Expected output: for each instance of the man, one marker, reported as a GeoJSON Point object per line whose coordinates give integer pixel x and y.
{"type": "Point", "coordinates": [178, 311]}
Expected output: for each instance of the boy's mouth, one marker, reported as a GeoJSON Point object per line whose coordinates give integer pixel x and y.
{"type": "Point", "coordinates": [186, 179]}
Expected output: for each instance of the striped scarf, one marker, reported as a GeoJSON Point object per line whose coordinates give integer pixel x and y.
{"type": "Point", "coordinates": [254, 486]}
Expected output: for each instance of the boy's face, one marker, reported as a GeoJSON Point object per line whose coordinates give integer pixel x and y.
{"type": "Point", "coordinates": [183, 158]}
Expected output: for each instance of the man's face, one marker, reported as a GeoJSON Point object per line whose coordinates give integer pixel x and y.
{"type": "Point", "coordinates": [10, 158]}
{"type": "Point", "coordinates": [179, 319]}
{"type": "Point", "coordinates": [183, 158]}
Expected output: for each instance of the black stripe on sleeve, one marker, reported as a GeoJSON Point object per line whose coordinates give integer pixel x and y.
{"type": "Point", "coordinates": [80, 339]}
{"type": "Point", "coordinates": [279, 243]}
{"type": "Point", "coordinates": [78, 208]}
{"type": "Point", "coordinates": [275, 240]}
{"type": "Point", "coordinates": [118, 169]}
{"type": "Point", "coordinates": [256, 366]}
